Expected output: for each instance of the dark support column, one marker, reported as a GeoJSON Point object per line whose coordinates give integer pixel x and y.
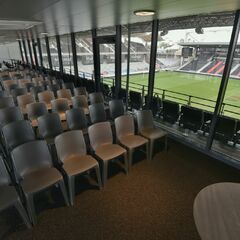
{"type": "Point", "coordinates": [30, 52]}
{"type": "Point", "coordinates": [59, 54]}
{"type": "Point", "coordinates": [20, 48]}
{"type": "Point", "coordinates": [225, 77]}
{"type": "Point", "coordinates": [118, 60]}
{"type": "Point", "coordinates": [40, 52]}
{"type": "Point", "coordinates": [128, 64]}
{"type": "Point", "coordinates": [153, 55]}
{"type": "Point", "coordinates": [74, 55]}
{"type": "Point", "coordinates": [96, 60]}
{"type": "Point", "coordinates": [25, 51]}
{"type": "Point", "coordinates": [35, 52]}
{"type": "Point", "coordinates": [48, 53]}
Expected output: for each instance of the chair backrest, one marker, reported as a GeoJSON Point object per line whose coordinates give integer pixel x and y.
{"type": "Point", "coordinates": [23, 100]}
{"type": "Point", "coordinates": [46, 96]}
{"type": "Point", "coordinates": [144, 120]}
{"type": "Point", "coordinates": [80, 91]}
{"type": "Point", "coordinates": [70, 143]}
{"type": "Point", "coordinates": [31, 156]}
{"type": "Point", "coordinates": [64, 93]}
{"type": "Point", "coordinates": [80, 101]}
{"type": "Point", "coordinates": [124, 126]}
{"type": "Point", "coordinates": [17, 133]}
{"type": "Point", "coordinates": [60, 105]}
{"type": "Point", "coordinates": [100, 134]}
{"type": "Point", "coordinates": [49, 125]}
{"type": "Point", "coordinates": [76, 119]}
{"type": "Point", "coordinates": [6, 102]}
{"type": "Point", "coordinates": [54, 88]}
{"type": "Point", "coordinates": [37, 109]}
{"type": "Point", "coordinates": [69, 85]}
{"type": "Point", "coordinates": [18, 92]}
{"type": "Point", "coordinates": [97, 113]}
{"type": "Point", "coordinates": [35, 90]}
{"type": "Point", "coordinates": [96, 97]}
{"type": "Point", "coordinates": [4, 177]}
{"type": "Point", "coordinates": [8, 83]}
{"type": "Point", "coordinates": [116, 108]}
{"type": "Point", "coordinates": [10, 114]}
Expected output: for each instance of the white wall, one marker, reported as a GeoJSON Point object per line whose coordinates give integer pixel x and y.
{"type": "Point", "coordinates": [9, 51]}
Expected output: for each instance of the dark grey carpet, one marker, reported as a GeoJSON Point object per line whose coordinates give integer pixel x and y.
{"type": "Point", "coordinates": [153, 202]}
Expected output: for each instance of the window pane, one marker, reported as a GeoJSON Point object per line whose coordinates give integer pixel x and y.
{"type": "Point", "coordinates": [67, 53]}
{"type": "Point", "coordinates": [84, 54]}
{"type": "Point", "coordinates": [54, 53]}
{"type": "Point", "coordinates": [44, 53]}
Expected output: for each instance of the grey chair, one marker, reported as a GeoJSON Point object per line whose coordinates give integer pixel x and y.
{"type": "Point", "coordinates": [69, 85]}
{"type": "Point", "coordinates": [126, 136]}
{"type": "Point", "coordinates": [10, 114]}
{"type": "Point", "coordinates": [18, 92]}
{"type": "Point", "coordinates": [147, 129]}
{"type": "Point", "coordinates": [80, 101]}
{"type": "Point", "coordinates": [116, 108]}
{"type": "Point", "coordinates": [80, 91]}
{"type": "Point", "coordinates": [9, 196]}
{"type": "Point", "coordinates": [35, 172]}
{"type": "Point", "coordinates": [54, 88]}
{"type": "Point", "coordinates": [96, 97]}
{"type": "Point", "coordinates": [35, 110]}
{"type": "Point", "coordinates": [17, 133]}
{"type": "Point", "coordinates": [65, 93]}
{"type": "Point", "coordinates": [24, 100]}
{"type": "Point", "coordinates": [76, 119]}
{"type": "Point", "coordinates": [71, 150]}
{"type": "Point", "coordinates": [6, 102]}
{"type": "Point", "coordinates": [101, 140]}
{"type": "Point", "coordinates": [46, 97]}
{"type": "Point", "coordinates": [49, 126]}
{"type": "Point", "coordinates": [97, 113]}
{"type": "Point", "coordinates": [35, 90]}
{"type": "Point", "coordinates": [60, 106]}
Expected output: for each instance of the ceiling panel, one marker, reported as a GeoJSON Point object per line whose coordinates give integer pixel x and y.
{"type": "Point", "coordinates": [64, 16]}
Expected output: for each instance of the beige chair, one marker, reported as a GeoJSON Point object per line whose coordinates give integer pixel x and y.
{"type": "Point", "coordinates": [46, 97]}
{"type": "Point", "coordinates": [147, 129]}
{"type": "Point", "coordinates": [22, 82]}
{"type": "Point", "coordinates": [80, 101]}
{"type": "Point", "coordinates": [23, 100]}
{"type": "Point", "coordinates": [101, 140]}
{"type": "Point", "coordinates": [126, 137]}
{"type": "Point", "coordinates": [65, 93]}
{"type": "Point", "coordinates": [8, 83]}
{"type": "Point", "coordinates": [60, 106]}
{"type": "Point", "coordinates": [71, 151]}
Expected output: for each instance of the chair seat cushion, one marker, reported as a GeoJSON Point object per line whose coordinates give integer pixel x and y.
{"type": "Point", "coordinates": [109, 151]}
{"type": "Point", "coordinates": [132, 141]}
{"type": "Point", "coordinates": [76, 164]}
{"type": "Point", "coordinates": [153, 133]}
{"type": "Point", "coordinates": [8, 196]}
{"type": "Point", "coordinates": [40, 179]}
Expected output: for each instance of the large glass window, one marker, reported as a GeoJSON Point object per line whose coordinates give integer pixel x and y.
{"type": "Point", "coordinates": [84, 54]}
{"type": "Point", "coordinates": [67, 58]}
{"type": "Point", "coordinates": [54, 53]}
{"type": "Point", "coordinates": [44, 53]}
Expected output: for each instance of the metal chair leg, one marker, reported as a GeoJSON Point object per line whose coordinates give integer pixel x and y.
{"type": "Point", "coordinates": [126, 162]}
{"type": "Point", "coordinates": [31, 208]}
{"type": "Point", "coordinates": [130, 157]}
{"type": "Point", "coordinates": [64, 192]}
{"type": "Point", "coordinates": [22, 212]}
{"type": "Point", "coordinates": [105, 172]}
{"type": "Point", "coordinates": [71, 189]}
{"type": "Point", "coordinates": [98, 174]}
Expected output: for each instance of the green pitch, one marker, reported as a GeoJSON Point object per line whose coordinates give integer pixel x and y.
{"type": "Point", "coordinates": [196, 85]}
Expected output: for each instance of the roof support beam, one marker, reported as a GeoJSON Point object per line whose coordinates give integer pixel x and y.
{"type": "Point", "coordinates": [25, 51]}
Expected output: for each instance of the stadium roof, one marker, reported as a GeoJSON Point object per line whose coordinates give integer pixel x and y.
{"type": "Point", "coordinates": [65, 16]}
{"type": "Point", "coordinates": [207, 45]}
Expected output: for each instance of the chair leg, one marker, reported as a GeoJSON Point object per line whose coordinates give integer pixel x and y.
{"type": "Point", "coordinates": [31, 208]}
{"type": "Point", "coordinates": [98, 174]}
{"type": "Point", "coordinates": [105, 172]}
{"type": "Point", "coordinates": [71, 189]}
{"type": "Point", "coordinates": [130, 156]}
{"type": "Point", "coordinates": [22, 212]}
{"type": "Point", "coordinates": [126, 162]}
{"type": "Point", "coordinates": [149, 149]}
{"type": "Point", "coordinates": [64, 191]}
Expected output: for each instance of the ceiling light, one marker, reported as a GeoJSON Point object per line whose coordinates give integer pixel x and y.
{"type": "Point", "coordinates": [144, 13]}
{"type": "Point", "coordinates": [17, 25]}
{"type": "Point", "coordinates": [44, 33]}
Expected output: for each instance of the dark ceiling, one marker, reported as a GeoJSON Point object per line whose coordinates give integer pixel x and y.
{"type": "Point", "coordinates": [64, 16]}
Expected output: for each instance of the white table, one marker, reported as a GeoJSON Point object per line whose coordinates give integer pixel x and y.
{"type": "Point", "coordinates": [216, 212]}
